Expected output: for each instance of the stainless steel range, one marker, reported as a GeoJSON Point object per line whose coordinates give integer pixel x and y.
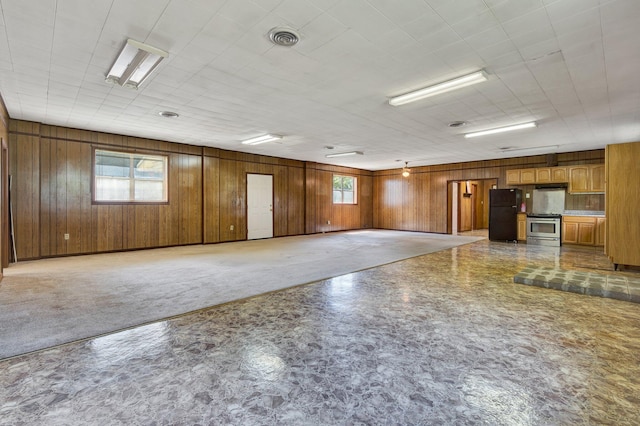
{"type": "Point", "coordinates": [544, 230]}
{"type": "Point", "coordinates": [544, 222]}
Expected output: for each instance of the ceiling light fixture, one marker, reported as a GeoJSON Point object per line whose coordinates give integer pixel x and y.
{"type": "Point", "coordinates": [501, 129]}
{"type": "Point", "coordinates": [168, 114]}
{"type": "Point", "coordinates": [436, 89]}
{"type": "Point", "coordinates": [134, 64]}
{"type": "Point", "coordinates": [262, 139]}
{"type": "Point", "coordinates": [344, 154]}
{"type": "Point", "coordinates": [406, 171]}
{"type": "Point", "coordinates": [533, 148]}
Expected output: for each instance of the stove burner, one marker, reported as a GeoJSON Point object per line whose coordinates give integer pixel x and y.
{"type": "Point", "coordinates": [550, 215]}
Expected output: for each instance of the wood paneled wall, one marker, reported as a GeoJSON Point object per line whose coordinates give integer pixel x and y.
{"type": "Point", "coordinates": [322, 214]}
{"type": "Point", "coordinates": [419, 202]}
{"type": "Point", "coordinates": [52, 169]}
{"type": "Point", "coordinates": [4, 184]}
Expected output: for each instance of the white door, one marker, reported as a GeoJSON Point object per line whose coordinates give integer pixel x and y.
{"type": "Point", "coordinates": [259, 206]}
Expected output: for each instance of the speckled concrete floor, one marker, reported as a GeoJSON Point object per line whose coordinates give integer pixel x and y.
{"type": "Point", "coordinates": [445, 338]}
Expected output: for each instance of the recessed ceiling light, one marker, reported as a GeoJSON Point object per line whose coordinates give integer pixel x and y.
{"type": "Point", "coordinates": [344, 154]}
{"type": "Point", "coordinates": [168, 114]}
{"type": "Point", "coordinates": [501, 129]}
{"type": "Point", "coordinates": [262, 139]}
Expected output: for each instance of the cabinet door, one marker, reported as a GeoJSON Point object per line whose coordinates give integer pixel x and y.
{"type": "Point", "coordinates": [569, 232]}
{"type": "Point", "coordinates": [543, 175]}
{"type": "Point", "coordinates": [586, 234]}
{"type": "Point", "coordinates": [513, 177]}
{"type": "Point", "coordinates": [600, 231]}
{"type": "Point", "coordinates": [559, 174]}
{"type": "Point", "coordinates": [579, 179]}
{"type": "Point", "coordinates": [528, 176]}
{"type": "Point", "coordinates": [522, 227]}
{"type": "Point", "coordinates": [597, 178]}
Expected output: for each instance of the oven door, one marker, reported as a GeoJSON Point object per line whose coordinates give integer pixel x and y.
{"type": "Point", "coordinates": [543, 231]}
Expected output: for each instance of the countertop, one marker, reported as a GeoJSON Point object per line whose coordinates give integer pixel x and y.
{"type": "Point", "coordinates": [594, 213]}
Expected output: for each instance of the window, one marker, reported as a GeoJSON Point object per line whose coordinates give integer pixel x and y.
{"type": "Point", "coordinates": [130, 177]}
{"type": "Point", "coordinates": [345, 190]}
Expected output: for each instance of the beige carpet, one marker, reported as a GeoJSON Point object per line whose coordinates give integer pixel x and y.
{"type": "Point", "coordinates": [53, 301]}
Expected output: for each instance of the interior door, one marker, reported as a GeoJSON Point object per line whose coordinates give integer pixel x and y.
{"type": "Point", "coordinates": [259, 206]}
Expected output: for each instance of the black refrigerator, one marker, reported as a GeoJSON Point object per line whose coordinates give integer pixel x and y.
{"type": "Point", "coordinates": [504, 205]}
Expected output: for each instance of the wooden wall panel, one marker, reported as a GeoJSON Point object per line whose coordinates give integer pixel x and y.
{"type": "Point", "coordinates": [295, 201]}
{"type": "Point", "coordinates": [24, 168]}
{"type": "Point", "coordinates": [4, 184]}
{"type": "Point", "coordinates": [420, 204]}
{"type": "Point", "coordinates": [211, 199]}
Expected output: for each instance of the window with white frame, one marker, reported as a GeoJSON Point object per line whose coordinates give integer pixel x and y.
{"type": "Point", "coordinates": [130, 177]}
{"type": "Point", "coordinates": [345, 189]}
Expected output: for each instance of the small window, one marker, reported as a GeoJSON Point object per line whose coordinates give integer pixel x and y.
{"type": "Point", "coordinates": [345, 190]}
{"type": "Point", "coordinates": [124, 177]}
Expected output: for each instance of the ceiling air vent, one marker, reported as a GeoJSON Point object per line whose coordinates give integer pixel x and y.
{"type": "Point", "coordinates": [284, 36]}
{"type": "Point", "coordinates": [455, 124]}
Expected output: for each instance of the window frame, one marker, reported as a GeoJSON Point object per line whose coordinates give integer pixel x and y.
{"type": "Point", "coordinates": [130, 152]}
{"type": "Point", "coordinates": [342, 191]}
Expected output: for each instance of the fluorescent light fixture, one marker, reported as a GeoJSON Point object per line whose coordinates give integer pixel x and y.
{"type": "Point", "coordinates": [501, 129]}
{"type": "Point", "coordinates": [436, 89]}
{"type": "Point", "coordinates": [134, 64]}
{"type": "Point", "coordinates": [533, 148]}
{"type": "Point", "coordinates": [262, 139]}
{"type": "Point", "coordinates": [344, 154]}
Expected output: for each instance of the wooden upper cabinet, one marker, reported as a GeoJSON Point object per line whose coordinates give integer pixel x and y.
{"type": "Point", "coordinates": [559, 174]}
{"type": "Point", "coordinates": [586, 179]}
{"type": "Point", "coordinates": [597, 178]}
{"type": "Point", "coordinates": [513, 177]}
{"type": "Point", "coordinates": [543, 175]}
{"type": "Point", "coordinates": [527, 176]}
{"type": "Point", "coordinates": [578, 179]}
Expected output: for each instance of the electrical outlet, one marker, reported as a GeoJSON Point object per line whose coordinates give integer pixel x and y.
{"type": "Point", "coordinates": [231, 228]}
{"type": "Point", "coordinates": [66, 236]}
{"type": "Point", "coordinates": [527, 195]}
{"type": "Point", "coordinates": [328, 222]}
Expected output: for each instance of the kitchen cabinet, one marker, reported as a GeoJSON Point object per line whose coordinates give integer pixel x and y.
{"type": "Point", "coordinates": [600, 231]}
{"type": "Point", "coordinates": [522, 226]}
{"type": "Point", "coordinates": [559, 174]}
{"type": "Point", "coordinates": [622, 204]}
{"type": "Point", "coordinates": [579, 230]}
{"type": "Point", "coordinates": [583, 179]}
{"type": "Point", "coordinates": [587, 179]}
{"type": "Point", "coordinates": [527, 176]}
{"type": "Point", "coordinates": [513, 177]}
{"type": "Point", "coordinates": [543, 175]}
{"type": "Point", "coordinates": [598, 178]}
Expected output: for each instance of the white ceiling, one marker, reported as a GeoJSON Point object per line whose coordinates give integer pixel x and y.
{"type": "Point", "coordinates": [571, 65]}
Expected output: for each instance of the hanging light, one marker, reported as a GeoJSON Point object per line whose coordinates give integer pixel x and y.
{"type": "Point", "coordinates": [406, 171]}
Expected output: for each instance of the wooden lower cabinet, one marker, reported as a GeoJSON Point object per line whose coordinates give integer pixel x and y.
{"type": "Point", "coordinates": [583, 230]}
{"type": "Point", "coordinates": [522, 226]}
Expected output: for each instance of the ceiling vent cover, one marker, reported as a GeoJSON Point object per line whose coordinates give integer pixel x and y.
{"type": "Point", "coordinates": [284, 36]}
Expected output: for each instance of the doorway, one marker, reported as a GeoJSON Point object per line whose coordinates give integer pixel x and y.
{"type": "Point", "coordinates": [468, 205]}
{"type": "Point", "coordinates": [259, 206]}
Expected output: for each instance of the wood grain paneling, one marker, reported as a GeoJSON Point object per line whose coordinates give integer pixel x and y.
{"type": "Point", "coordinates": [4, 182]}
{"type": "Point", "coordinates": [622, 229]}
{"type": "Point", "coordinates": [421, 204]}
{"type": "Point", "coordinates": [24, 169]}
